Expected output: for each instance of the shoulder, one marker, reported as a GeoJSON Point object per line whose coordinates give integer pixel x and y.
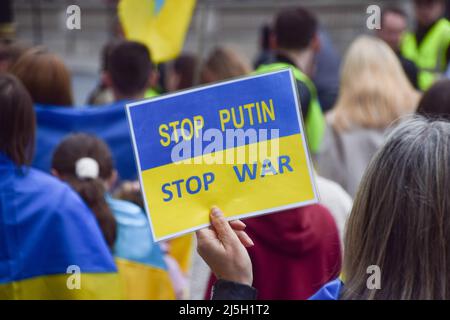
{"type": "Point", "coordinates": [127, 212]}
{"type": "Point", "coordinates": [38, 182]}
{"type": "Point", "coordinates": [46, 193]}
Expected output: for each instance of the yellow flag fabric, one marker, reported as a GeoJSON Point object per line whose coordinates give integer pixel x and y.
{"type": "Point", "coordinates": [99, 286]}
{"type": "Point", "coordinates": [160, 24]}
{"type": "Point", "coordinates": [182, 249]}
{"type": "Point", "coordinates": [144, 282]}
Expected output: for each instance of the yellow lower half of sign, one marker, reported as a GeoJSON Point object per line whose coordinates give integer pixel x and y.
{"type": "Point", "coordinates": [179, 196]}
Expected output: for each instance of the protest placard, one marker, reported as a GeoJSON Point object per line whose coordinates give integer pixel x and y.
{"type": "Point", "coordinates": [238, 144]}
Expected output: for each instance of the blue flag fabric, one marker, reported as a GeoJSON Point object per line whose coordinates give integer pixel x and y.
{"type": "Point", "coordinates": [107, 122]}
{"type": "Point", "coordinates": [46, 229]}
{"type": "Point", "coordinates": [330, 291]}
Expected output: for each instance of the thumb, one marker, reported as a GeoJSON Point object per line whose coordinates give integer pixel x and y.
{"type": "Point", "coordinates": [223, 229]}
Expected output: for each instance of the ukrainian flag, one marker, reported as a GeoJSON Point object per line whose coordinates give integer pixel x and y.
{"type": "Point", "coordinates": [50, 244]}
{"type": "Point", "coordinates": [159, 24]}
{"type": "Point", "coordinates": [108, 122]}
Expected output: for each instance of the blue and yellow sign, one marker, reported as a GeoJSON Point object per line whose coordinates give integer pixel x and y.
{"type": "Point", "coordinates": [237, 144]}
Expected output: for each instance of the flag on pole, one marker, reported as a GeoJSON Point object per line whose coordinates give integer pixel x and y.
{"type": "Point", "coordinates": [160, 24]}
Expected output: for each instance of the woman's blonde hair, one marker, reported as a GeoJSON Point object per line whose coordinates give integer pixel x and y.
{"type": "Point", "coordinates": [224, 63]}
{"type": "Point", "coordinates": [374, 90]}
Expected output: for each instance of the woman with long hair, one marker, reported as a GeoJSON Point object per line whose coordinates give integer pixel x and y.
{"type": "Point", "coordinates": [374, 92]}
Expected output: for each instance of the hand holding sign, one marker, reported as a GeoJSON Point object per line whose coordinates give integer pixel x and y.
{"type": "Point", "coordinates": [237, 144]}
{"type": "Point", "coordinates": [224, 251]}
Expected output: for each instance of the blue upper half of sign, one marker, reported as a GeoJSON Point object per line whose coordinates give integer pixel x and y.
{"type": "Point", "coordinates": [275, 89]}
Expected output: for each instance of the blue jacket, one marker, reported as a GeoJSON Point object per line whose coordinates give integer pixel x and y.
{"type": "Point", "coordinates": [134, 240]}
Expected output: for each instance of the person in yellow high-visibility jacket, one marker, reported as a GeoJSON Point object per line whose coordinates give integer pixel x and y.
{"type": "Point", "coordinates": [297, 42]}
{"type": "Point", "coordinates": [429, 45]}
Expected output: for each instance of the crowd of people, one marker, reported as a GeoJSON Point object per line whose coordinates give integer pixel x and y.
{"type": "Point", "coordinates": [379, 139]}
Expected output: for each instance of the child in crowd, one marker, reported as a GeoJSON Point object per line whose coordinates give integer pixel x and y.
{"type": "Point", "coordinates": [85, 162]}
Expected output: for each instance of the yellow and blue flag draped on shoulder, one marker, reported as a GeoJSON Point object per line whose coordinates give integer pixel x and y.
{"type": "Point", "coordinates": [159, 24]}
{"type": "Point", "coordinates": [142, 270]}
{"type": "Point", "coordinates": [50, 244]}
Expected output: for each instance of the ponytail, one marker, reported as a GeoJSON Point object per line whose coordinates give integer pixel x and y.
{"type": "Point", "coordinates": [85, 162]}
{"type": "Point", "coordinates": [92, 192]}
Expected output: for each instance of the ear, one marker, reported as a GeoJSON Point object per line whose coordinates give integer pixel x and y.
{"type": "Point", "coordinates": [316, 44]}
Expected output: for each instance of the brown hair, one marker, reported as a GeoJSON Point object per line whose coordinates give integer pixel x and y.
{"type": "Point", "coordinates": [295, 28]}
{"type": "Point", "coordinates": [185, 66]}
{"type": "Point", "coordinates": [92, 190]}
{"type": "Point", "coordinates": [129, 65]}
{"type": "Point", "coordinates": [45, 76]}
{"type": "Point", "coordinates": [400, 219]}
{"type": "Point", "coordinates": [436, 101]}
{"type": "Point", "coordinates": [130, 191]}
{"type": "Point", "coordinates": [224, 63]}
{"type": "Point", "coordinates": [17, 121]}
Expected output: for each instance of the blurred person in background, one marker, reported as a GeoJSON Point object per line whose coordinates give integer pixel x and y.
{"type": "Point", "coordinates": [223, 63]}
{"type": "Point", "coordinates": [429, 45]}
{"type": "Point", "coordinates": [42, 218]}
{"type": "Point", "coordinates": [394, 23]}
{"type": "Point", "coordinates": [85, 162]}
{"type": "Point", "coordinates": [129, 71]}
{"type": "Point", "coordinates": [326, 73]}
{"type": "Point", "coordinates": [374, 92]}
{"type": "Point", "coordinates": [435, 101]}
{"type": "Point", "coordinates": [90, 177]}
{"type": "Point", "coordinates": [266, 52]}
{"type": "Point", "coordinates": [180, 73]}
{"type": "Point", "coordinates": [296, 43]}
{"type": "Point", "coordinates": [102, 94]}
{"type": "Point", "coordinates": [10, 51]}
{"type": "Point", "coordinates": [45, 76]}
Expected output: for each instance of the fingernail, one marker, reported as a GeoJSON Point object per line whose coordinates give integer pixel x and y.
{"type": "Point", "coordinates": [215, 212]}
